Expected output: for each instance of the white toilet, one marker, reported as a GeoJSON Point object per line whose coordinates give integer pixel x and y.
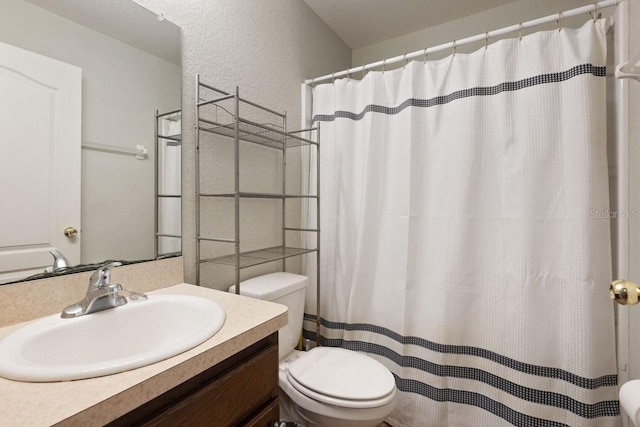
{"type": "Point", "coordinates": [326, 386]}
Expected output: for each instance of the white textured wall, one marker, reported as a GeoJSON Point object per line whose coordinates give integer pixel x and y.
{"type": "Point", "coordinates": [121, 88]}
{"type": "Point", "coordinates": [267, 48]}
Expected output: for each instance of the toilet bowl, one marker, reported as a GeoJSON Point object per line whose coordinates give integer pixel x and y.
{"type": "Point", "coordinates": [326, 386]}
{"type": "Point", "coordinates": [335, 387]}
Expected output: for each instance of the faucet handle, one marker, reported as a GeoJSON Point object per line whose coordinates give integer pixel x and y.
{"type": "Point", "coordinates": [102, 276]}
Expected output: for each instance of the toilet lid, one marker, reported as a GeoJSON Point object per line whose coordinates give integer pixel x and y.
{"type": "Point", "coordinates": [336, 373]}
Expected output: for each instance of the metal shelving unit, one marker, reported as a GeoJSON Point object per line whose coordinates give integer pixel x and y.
{"type": "Point", "coordinates": [170, 140]}
{"type": "Point", "coordinates": [219, 112]}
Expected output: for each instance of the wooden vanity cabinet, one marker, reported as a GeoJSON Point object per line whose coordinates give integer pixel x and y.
{"type": "Point", "coordinates": [239, 391]}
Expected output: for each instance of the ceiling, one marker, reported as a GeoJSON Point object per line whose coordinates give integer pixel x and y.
{"type": "Point", "coordinates": [360, 23]}
{"type": "Point", "coordinates": [122, 20]}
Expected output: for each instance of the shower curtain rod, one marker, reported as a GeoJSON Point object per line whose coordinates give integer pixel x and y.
{"type": "Point", "coordinates": [486, 36]}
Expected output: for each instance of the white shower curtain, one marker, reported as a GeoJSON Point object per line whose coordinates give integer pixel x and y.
{"type": "Point", "coordinates": [462, 239]}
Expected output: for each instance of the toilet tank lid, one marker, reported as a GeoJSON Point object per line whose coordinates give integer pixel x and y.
{"type": "Point", "coordinates": [271, 286]}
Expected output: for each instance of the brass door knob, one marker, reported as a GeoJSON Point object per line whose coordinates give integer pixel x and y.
{"type": "Point", "coordinates": [70, 232]}
{"type": "Point", "coordinates": [624, 292]}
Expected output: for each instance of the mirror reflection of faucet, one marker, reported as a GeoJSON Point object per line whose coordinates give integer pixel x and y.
{"type": "Point", "coordinates": [101, 294]}
{"type": "Point", "coordinates": [60, 262]}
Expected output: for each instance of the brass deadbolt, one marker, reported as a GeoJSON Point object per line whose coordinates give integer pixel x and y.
{"type": "Point", "coordinates": [624, 292]}
{"type": "Point", "coordinates": [70, 232]}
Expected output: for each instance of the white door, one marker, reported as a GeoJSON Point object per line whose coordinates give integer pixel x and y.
{"type": "Point", "coordinates": [40, 136]}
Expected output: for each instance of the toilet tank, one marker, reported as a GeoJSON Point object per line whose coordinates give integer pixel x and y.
{"type": "Point", "coordinates": [282, 288]}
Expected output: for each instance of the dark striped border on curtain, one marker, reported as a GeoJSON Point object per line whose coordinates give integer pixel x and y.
{"type": "Point", "coordinates": [590, 411]}
{"type": "Point", "coordinates": [598, 71]}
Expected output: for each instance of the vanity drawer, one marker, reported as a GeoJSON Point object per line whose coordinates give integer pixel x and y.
{"type": "Point", "coordinates": [240, 391]}
{"type": "Point", "coordinates": [266, 417]}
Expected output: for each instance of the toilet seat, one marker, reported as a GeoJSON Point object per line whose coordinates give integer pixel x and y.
{"type": "Point", "coordinates": [342, 378]}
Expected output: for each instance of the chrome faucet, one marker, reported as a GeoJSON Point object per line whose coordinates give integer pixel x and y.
{"type": "Point", "coordinates": [101, 295]}
{"type": "Point", "coordinates": [60, 263]}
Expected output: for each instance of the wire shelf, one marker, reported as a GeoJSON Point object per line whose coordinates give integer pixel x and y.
{"type": "Point", "coordinates": [256, 133]}
{"type": "Point", "coordinates": [175, 138]}
{"type": "Point", "coordinates": [236, 119]}
{"type": "Point", "coordinates": [260, 256]}
{"type": "Point", "coordinates": [249, 195]}
{"type": "Point", "coordinates": [164, 138]}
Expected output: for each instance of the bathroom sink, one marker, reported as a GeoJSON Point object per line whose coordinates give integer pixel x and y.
{"type": "Point", "coordinates": [107, 342]}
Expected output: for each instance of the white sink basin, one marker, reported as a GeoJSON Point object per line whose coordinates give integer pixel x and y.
{"type": "Point", "coordinates": [110, 341]}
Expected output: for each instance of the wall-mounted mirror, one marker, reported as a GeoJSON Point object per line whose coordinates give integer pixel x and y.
{"type": "Point", "coordinates": [101, 77]}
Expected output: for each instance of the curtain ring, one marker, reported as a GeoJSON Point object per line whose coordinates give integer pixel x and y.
{"type": "Point", "coordinates": [404, 60]}
{"type": "Point", "coordinates": [384, 65]}
{"type": "Point", "coordinates": [333, 79]}
{"type": "Point", "coordinates": [520, 31]}
{"type": "Point", "coordinates": [486, 39]}
{"type": "Point", "coordinates": [348, 73]}
{"type": "Point", "coordinates": [595, 10]}
{"type": "Point", "coordinates": [363, 71]}
{"type": "Point", "coordinates": [558, 20]}
{"type": "Point", "coordinates": [425, 54]}
{"type": "Point", "coordinates": [454, 47]}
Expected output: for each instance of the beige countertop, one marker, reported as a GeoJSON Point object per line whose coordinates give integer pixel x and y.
{"type": "Point", "coordinates": [97, 401]}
